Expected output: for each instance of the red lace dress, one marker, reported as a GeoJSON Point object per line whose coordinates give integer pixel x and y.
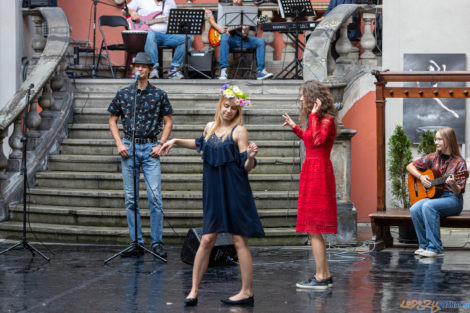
{"type": "Point", "coordinates": [317, 189]}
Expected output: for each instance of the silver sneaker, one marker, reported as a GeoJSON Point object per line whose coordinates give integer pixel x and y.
{"type": "Point", "coordinates": [176, 75]}
{"type": "Point", "coordinates": [154, 74]}
{"type": "Point", "coordinates": [223, 74]}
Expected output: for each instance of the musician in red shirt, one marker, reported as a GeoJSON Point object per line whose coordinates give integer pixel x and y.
{"type": "Point", "coordinates": [426, 213]}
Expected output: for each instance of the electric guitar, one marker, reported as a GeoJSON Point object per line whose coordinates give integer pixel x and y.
{"type": "Point", "coordinates": [214, 35]}
{"type": "Point", "coordinates": [417, 191]}
{"type": "Point", "coordinates": [146, 21]}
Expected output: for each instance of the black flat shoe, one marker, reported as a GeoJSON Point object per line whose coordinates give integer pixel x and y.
{"type": "Point", "coordinates": [246, 301]}
{"type": "Point", "coordinates": [190, 301]}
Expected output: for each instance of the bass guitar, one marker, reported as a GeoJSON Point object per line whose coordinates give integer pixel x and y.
{"type": "Point", "coordinates": [417, 191]}
{"type": "Point", "coordinates": [214, 36]}
{"type": "Point", "coordinates": [146, 21]}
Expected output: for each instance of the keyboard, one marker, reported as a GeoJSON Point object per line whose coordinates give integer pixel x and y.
{"type": "Point", "coordinates": [288, 27]}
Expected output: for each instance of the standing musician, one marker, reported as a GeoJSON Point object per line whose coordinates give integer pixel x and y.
{"type": "Point", "coordinates": [234, 40]}
{"type": "Point", "coordinates": [152, 116]}
{"type": "Point", "coordinates": [426, 213]}
{"type": "Point", "coordinates": [157, 34]}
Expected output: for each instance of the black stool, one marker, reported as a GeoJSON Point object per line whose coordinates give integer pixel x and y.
{"type": "Point", "coordinates": [245, 69]}
{"type": "Point", "coordinates": [160, 59]}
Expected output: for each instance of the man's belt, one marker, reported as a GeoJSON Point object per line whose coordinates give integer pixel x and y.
{"type": "Point", "coordinates": [142, 141]}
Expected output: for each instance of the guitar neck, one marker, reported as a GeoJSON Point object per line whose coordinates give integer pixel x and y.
{"type": "Point", "coordinates": [439, 181]}
{"type": "Point", "coordinates": [156, 20]}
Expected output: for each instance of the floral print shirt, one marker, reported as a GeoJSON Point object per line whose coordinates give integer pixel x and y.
{"type": "Point", "coordinates": [152, 105]}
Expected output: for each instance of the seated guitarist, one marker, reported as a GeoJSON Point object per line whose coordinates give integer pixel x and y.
{"type": "Point", "coordinates": [157, 35]}
{"type": "Point", "coordinates": [234, 41]}
{"type": "Point", "coordinates": [426, 213]}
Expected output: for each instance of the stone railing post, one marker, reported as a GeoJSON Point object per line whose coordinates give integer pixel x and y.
{"type": "Point", "coordinates": [368, 41]}
{"type": "Point", "coordinates": [14, 159]}
{"type": "Point", "coordinates": [38, 42]}
{"type": "Point", "coordinates": [33, 120]}
{"type": "Point", "coordinates": [205, 33]}
{"type": "Point", "coordinates": [289, 51]}
{"type": "Point", "coordinates": [268, 37]}
{"type": "Point", "coordinates": [3, 158]}
{"type": "Point", "coordinates": [343, 48]}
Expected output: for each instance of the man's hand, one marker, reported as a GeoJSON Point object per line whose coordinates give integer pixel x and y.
{"type": "Point", "coordinates": [245, 31]}
{"type": "Point", "coordinates": [222, 29]}
{"type": "Point", "coordinates": [156, 151]}
{"type": "Point", "coordinates": [135, 17]}
{"type": "Point", "coordinates": [122, 150]}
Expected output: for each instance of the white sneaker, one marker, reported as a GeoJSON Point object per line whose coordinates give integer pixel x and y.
{"type": "Point", "coordinates": [223, 74]}
{"type": "Point", "coordinates": [419, 251]}
{"type": "Point", "coordinates": [154, 73]}
{"type": "Point", "coordinates": [431, 254]}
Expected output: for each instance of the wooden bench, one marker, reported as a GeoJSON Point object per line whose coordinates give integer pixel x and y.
{"type": "Point", "coordinates": [382, 220]}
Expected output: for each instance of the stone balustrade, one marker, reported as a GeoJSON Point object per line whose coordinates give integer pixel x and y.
{"type": "Point", "coordinates": [46, 87]}
{"type": "Point", "coordinates": [320, 63]}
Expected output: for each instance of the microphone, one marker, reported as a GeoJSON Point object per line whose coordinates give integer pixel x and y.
{"type": "Point", "coordinates": [137, 75]}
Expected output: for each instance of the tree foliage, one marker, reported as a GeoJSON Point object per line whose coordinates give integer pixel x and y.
{"type": "Point", "coordinates": [399, 157]}
{"type": "Point", "coordinates": [427, 144]}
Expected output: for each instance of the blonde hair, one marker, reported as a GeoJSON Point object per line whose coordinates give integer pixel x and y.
{"type": "Point", "coordinates": [237, 119]}
{"type": "Point", "coordinates": [450, 140]}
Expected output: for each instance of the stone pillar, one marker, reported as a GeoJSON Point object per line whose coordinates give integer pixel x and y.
{"type": "Point", "coordinates": [347, 214]}
{"type": "Point", "coordinates": [268, 37]}
{"type": "Point", "coordinates": [368, 41]}
{"type": "Point", "coordinates": [289, 51]}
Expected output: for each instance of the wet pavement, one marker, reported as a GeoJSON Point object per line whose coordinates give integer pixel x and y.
{"type": "Point", "coordinates": [76, 280]}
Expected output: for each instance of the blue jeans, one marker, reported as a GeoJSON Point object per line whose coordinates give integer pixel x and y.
{"type": "Point", "coordinates": [151, 168]}
{"type": "Point", "coordinates": [227, 42]}
{"type": "Point", "coordinates": [155, 39]}
{"type": "Point", "coordinates": [426, 216]}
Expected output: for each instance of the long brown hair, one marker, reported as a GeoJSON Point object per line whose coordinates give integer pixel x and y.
{"type": "Point", "coordinates": [312, 90]}
{"type": "Point", "coordinates": [450, 140]}
{"type": "Point", "coordinates": [237, 119]}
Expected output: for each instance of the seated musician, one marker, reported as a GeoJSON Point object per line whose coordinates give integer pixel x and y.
{"type": "Point", "coordinates": [234, 41]}
{"type": "Point", "coordinates": [157, 35]}
{"type": "Point", "coordinates": [426, 213]}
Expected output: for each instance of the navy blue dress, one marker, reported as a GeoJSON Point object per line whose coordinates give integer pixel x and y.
{"type": "Point", "coordinates": [228, 203]}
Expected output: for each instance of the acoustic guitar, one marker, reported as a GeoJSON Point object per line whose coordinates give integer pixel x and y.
{"type": "Point", "coordinates": [214, 36]}
{"type": "Point", "coordinates": [417, 191]}
{"type": "Point", "coordinates": [146, 21]}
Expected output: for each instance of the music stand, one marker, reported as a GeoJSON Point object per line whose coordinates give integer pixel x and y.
{"type": "Point", "coordinates": [296, 9]}
{"type": "Point", "coordinates": [186, 22]}
{"type": "Point", "coordinates": [233, 16]}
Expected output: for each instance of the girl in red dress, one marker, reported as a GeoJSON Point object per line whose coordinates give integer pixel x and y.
{"type": "Point", "coordinates": [316, 212]}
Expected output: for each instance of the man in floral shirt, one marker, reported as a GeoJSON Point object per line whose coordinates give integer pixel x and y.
{"type": "Point", "coordinates": [152, 117]}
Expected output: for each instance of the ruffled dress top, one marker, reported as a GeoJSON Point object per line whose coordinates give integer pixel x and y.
{"type": "Point", "coordinates": [316, 211]}
{"type": "Point", "coordinates": [228, 203]}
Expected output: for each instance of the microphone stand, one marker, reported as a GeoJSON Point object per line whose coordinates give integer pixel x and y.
{"type": "Point", "coordinates": [135, 243]}
{"type": "Point", "coordinates": [24, 242]}
{"type": "Point", "coordinates": [95, 4]}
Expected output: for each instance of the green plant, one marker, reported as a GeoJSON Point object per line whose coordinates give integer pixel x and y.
{"type": "Point", "coordinates": [427, 144]}
{"type": "Point", "coordinates": [399, 157]}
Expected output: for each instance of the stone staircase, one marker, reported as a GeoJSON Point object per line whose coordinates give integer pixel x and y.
{"type": "Point", "coordinates": [79, 198]}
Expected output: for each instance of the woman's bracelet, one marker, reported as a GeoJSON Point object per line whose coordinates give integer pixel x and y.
{"type": "Point", "coordinates": [419, 177]}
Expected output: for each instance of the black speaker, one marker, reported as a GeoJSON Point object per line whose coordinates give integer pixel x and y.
{"type": "Point", "coordinates": [203, 61]}
{"type": "Point", "coordinates": [36, 3]}
{"type": "Point", "coordinates": [223, 253]}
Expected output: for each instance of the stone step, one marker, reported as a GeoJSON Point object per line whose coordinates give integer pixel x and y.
{"type": "Point", "coordinates": [116, 217]}
{"type": "Point", "coordinates": [181, 101]}
{"type": "Point", "coordinates": [192, 116]}
{"type": "Point", "coordinates": [278, 236]}
{"type": "Point", "coordinates": [171, 199]}
{"type": "Point", "coordinates": [256, 132]}
{"type": "Point", "coordinates": [193, 86]}
{"type": "Point", "coordinates": [108, 147]}
{"type": "Point", "coordinates": [170, 182]}
{"type": "Point", "coordinates": [170, 164]}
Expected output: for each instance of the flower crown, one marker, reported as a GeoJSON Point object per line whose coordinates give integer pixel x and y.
{"type": "Point", "coordinates": [241, 98]}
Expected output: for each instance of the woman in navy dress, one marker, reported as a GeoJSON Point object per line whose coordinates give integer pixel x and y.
{"type": "Point", "coordinates": [228, 204]}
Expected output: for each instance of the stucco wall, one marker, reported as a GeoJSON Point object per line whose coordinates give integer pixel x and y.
{"type": "Point", "coordinates": [422, 26]}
